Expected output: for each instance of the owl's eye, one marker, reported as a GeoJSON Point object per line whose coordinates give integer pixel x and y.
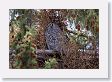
{"type": "Point", "coordinates": [18, 39]}
{"type": "Point", "coordinates": [13, 36]}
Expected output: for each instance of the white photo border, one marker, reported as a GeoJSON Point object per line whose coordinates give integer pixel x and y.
{"type": "Point", "coordinates": [102, 72]}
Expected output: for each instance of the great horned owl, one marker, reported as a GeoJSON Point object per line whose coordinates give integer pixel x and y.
{"type": "Point", "coordinates": [55, 38]}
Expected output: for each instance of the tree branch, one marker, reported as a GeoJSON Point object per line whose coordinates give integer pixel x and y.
{"type": "Point", "coordinates": [47, 52]}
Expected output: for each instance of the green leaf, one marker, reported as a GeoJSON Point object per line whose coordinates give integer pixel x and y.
{"type": "Point", "coordinates": [47, 65]}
